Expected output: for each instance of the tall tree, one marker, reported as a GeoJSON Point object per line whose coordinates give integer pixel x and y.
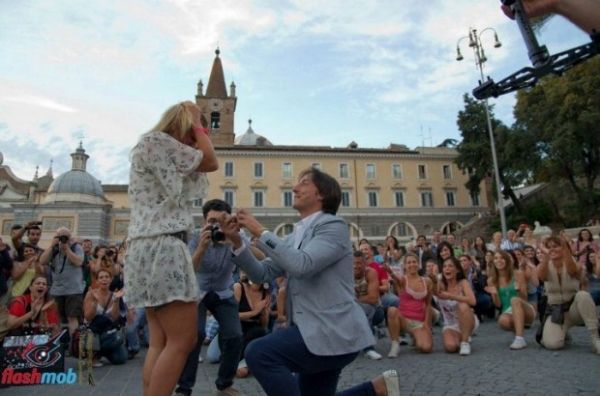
{"type": "Point", "coordinates": [562, 114]}
{"type": "Point", "coordinates": [475, 155]}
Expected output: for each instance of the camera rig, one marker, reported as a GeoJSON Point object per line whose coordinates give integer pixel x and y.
{"type": "Point", "coordinates": [543, 62]}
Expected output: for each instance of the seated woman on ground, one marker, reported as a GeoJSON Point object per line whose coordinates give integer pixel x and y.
{"type": "Point", "coordinates": [508, 289]}
{"type": "Point", "coordinates": [480, 248]}
{"type": "Point", "coordinates": [456, 301]}
{"type": "Point", "coordinates": [254, 307]}
{"type": "Point", "coordinates": [478, 281]}
{"type": "Point", "coordinates": [584, 244]}
{"type": "Point", "coordinates": [524, 264]}
{"type": "Point", "coordinates": [23, 272]}
{"type": "Point", "coordinates": [34, 312]}
{"type": "Point", "coordinates": [414, 311]}
{"type": "Point", "coordinates": [569, 304]}
{"type": "Point", "coordinates": [101, 306]}
{"type": "Point", "coordinates": [444, 250]}
{"type": "Point", "coordinates": [592, 272]}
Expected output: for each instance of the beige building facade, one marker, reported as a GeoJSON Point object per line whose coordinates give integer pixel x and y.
{"type": "Point", "coordinates": [392, 191]}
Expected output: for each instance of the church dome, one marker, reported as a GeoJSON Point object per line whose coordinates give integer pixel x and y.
{"type": "Point", "coordinates": [76, 182]}
{"type": "Point", "coordinates": [76, 185]}
{"type": "Point", "coordinates": [250, 138]}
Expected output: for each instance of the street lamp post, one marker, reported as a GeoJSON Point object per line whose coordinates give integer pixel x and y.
{"type": "Point", "coordinates": [480, 59]}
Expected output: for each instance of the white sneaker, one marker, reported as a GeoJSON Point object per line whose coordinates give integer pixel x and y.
{"type": "Point", "coordinates": [392, 385]}
{"type": "Point", "coordinates": [465, 349]}
{"type": "Point", "coordinates": [518, 343]}
{"type": "Point", "coordinates": [200, 359]}
{"type": "Point", "coordinates": [394, 350]}
{"type": "Point", "coordinates": [373, 355]}
{"type": "Point", "coordinates": [405, 340]}
{"type": "Point", "coordinates": [597, 346]}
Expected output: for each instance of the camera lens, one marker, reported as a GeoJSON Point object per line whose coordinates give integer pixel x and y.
{"type": "Point", "coordinates": [216, 235]}
{"type": "Point", "coordinates": [109, 253]}
{"type": "Point", "coordinates": [63, 238]}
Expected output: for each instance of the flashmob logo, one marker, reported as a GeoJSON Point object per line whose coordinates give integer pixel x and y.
{"type": "Point", "coordinates": [34, 377]}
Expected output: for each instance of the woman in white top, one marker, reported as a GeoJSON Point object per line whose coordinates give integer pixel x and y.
{"type": "Point", "coordinates": [167, 174]}
{"type": "Point", "coordinates": [456, 299]}
{"type": "Point", "coordinates": [569, 303]}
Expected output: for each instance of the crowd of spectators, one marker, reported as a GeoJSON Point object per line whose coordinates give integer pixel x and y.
{"type": "Point", "coordinates": [457, 285]}
{"type": "Point", "coordinates": [404, 291]}
{"type": "Point", "coordinates": [68, 285]}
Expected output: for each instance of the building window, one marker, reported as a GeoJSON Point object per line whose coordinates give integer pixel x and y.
{"type": "Point", "coordinates": [229, 169]}
{"type": "Point", "coordinates": [475, 199]}
{"type": "Point", "coordinates": [370, 171]}
{"type": "Point", "coordinates": [215, 120]}
{"type": "Point", "coordinates": [345, 199]}
{"type": "Point", "coordinates": [400, 230]}
{"type": "Point", "coordinates": [399, 199]}
{"type": "Point", "coordinates": [450, 198]}
{"type": "Point", "coordinates": [228, 196]}
{"type": "Point", "coordinates": [422, 172]}
{"type": "Point", "coordinates": [287, 199]}
{"type": "Point", "coordinates": [343, 171]}
{"type": "Point", "coordinates": [286, 169]}
{"type": "Point", "coordinates": [258, 169]}
{"type": "Point", "coordinates": [197, 203]}
{"type": "Point", "coordinates": [259, 198]}
{"type": "Point", "coordinates": [373, 201]}
{"type": "Point", "coordinates": [447, 171]}
{"type": "Point", "coordinates": [426, 199]}
{"type": "Point", "coordinates": [396, 171]}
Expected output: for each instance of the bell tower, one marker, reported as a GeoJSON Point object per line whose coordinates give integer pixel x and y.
{"type": "Point", "coordinates": [217, 106]}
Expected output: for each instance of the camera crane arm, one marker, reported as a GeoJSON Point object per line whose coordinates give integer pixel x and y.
{"type": "Point", "coordinates": [543, 63]}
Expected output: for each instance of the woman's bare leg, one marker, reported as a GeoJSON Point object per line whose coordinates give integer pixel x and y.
{"type": "Point", "coordinates": [156, 345]}
{"type": "Point", "coordinates": [176, 322]}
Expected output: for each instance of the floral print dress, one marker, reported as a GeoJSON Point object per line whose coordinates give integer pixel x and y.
{"type": "Point", "coordinates": [163, 182]}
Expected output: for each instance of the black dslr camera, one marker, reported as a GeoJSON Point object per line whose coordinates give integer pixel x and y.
{"type": "Point", "coordinates": [216, 235]}
{"type": "Point", "coordinates": [63, 238]}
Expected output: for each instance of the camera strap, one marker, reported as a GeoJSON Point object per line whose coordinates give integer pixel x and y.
{"type": "Point", "coordinates": [62, 267]}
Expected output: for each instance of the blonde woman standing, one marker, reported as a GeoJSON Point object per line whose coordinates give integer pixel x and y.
{"type": "Point", "coordinates": [167, 174]}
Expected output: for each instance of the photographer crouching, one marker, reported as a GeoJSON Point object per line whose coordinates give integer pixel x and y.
{"type": "Point", "coordinates": [64, 257]}
{"type": "Point", "coordinates": [213, 263]}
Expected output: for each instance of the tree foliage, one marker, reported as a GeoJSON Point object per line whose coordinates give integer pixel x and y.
{"type": "Point", "coordinates": [475, 155]}
{"type": "Point", "coordinates": [562, 116]}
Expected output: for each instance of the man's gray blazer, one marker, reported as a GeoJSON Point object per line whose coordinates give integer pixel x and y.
{"type": "Point", "coordinates": [320, 291]}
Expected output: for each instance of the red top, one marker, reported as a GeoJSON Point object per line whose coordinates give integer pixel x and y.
{"type": "Point", "coordinates": [382, 274]}
{"type": "Point", "coordinates": [18, 307]}
{"type": "Point", "coordinates": [413, 303]}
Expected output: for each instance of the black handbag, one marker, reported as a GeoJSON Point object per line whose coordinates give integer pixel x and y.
{"type": "Point", "coordinates": [102, 323]}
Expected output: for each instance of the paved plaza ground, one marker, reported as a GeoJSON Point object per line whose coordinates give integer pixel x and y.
{"type": "Point", "coordinates": [492, 369]}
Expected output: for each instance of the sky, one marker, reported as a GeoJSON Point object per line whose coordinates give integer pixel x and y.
{"type": "Point", "coordinates": [307, 72]}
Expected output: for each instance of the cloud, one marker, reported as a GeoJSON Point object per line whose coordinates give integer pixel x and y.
{"type": "Point", "coordinates": [370, 71]}
{"type": "Point", "coordinates": [39, 101]}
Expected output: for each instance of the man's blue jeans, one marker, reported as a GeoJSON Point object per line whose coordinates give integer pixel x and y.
{"type": "Point", "coordinates": [283, 365]}
{"type": "Point", "coordinates": [230, 341]}
{"type": "Point", "coordinates": [131, 333]}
